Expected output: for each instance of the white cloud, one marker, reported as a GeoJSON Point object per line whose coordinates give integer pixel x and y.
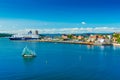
{"type": "Point", "coordinates": [0, 26]}
{"type": "Point", "coordinates": [67, 30]}
{"type": "Point", "coordinates": [23, 26]}
{"type": "Point", "coordinates": [83, 23]}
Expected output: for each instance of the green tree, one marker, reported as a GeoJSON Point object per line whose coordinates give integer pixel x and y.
{"type": "Point", "coordinates": [70, 36]}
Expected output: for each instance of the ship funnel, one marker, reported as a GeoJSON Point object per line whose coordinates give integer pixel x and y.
{"type": "Point", "coordinates": [36, 32]}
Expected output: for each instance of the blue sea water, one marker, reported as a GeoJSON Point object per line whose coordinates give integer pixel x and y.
{"type": "Point", "coordinates": [58, 61]}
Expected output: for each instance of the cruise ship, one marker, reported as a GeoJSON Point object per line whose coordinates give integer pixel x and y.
{"type": "Point", "coordinates": [28, 36]}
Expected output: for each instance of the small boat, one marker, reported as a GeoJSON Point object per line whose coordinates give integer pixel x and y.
{"type": "Point", "coordinates": [28, 53]}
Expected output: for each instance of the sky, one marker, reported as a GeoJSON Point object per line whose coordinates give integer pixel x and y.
{"type": "Point", "coordinates": [59, 15]}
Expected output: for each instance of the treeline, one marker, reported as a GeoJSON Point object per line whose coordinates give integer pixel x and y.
{"type": "Point", "coordinates": [5, 35]}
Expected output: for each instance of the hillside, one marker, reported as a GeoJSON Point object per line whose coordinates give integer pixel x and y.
{"type": "Point", "coordinates": [5, 35]}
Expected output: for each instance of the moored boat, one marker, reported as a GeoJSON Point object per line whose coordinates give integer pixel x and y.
{"type": "Point", "coordinates": [28, 36]}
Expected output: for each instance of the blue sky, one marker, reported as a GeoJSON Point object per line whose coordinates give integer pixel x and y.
{"type": "Point", "coordinates": [39, 14]}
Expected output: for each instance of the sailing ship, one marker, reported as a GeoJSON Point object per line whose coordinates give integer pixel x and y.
{"type": "Point", "coordinates": [28, 53]}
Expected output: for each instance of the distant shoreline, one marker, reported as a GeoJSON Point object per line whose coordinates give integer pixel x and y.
{"type": "Point", "coordinates": [86, 39]}
{"type": "Point", "coordinates": [69, 42]}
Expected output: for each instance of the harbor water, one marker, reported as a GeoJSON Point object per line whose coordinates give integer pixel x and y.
{"type": "Point", "coordinates": [58, 61]}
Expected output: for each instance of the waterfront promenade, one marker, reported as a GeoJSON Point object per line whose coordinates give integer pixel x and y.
{"type": "Point", "coordinates": [68, 42]}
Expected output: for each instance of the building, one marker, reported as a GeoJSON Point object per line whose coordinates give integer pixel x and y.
{"type": "Point", "coordinates": [80, 37]}
{"type": "Point", "coordinates": [64, 37]}
{"type": "Point", "coordinates": [74, 36]}
{"type": "Point", "coordinates": [92, 38]}
{"type": "Point", "coordinates": [114, 39]}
